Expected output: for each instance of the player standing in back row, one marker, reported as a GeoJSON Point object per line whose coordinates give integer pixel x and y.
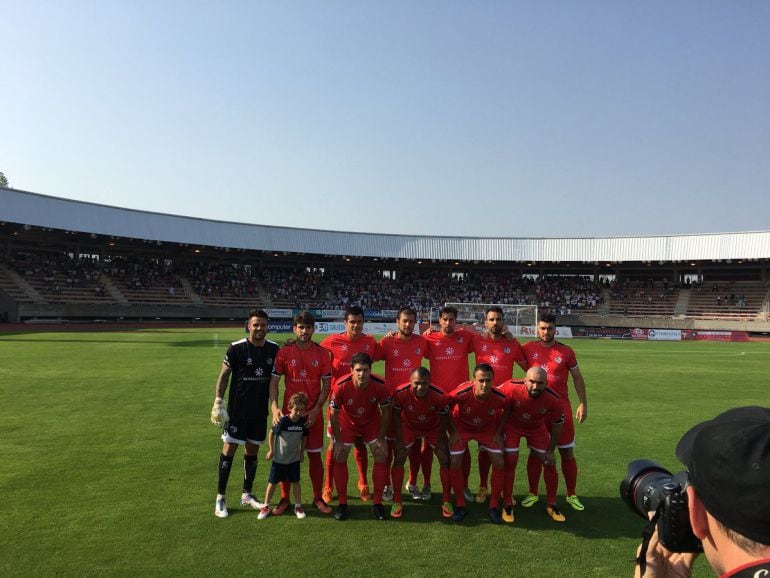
{"type": "Point", "coordinates": [343, 346]}
{"type": "Point", "coordinates": [248, 364]}
{"type": "Point", "coordinates": [559, 362]}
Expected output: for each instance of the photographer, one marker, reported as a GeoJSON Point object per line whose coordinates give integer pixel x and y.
{"type": "Point", "coordinates": [728, 459]}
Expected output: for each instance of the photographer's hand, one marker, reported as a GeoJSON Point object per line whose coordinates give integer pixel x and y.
{"type": "Point", "coordinates": [662, 563]}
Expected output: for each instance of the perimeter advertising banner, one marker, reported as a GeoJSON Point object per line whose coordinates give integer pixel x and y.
{"type": "Point", "coordinates": [703, 335]}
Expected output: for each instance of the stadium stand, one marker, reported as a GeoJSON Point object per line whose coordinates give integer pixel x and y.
{"type": "Point", "coordinates": [734, 300]}
{"type": "Point", "coordinates": [122, 264]}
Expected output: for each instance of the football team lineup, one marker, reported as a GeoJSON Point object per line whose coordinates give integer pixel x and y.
{"type": "Point", "coordinates": [411, 413]}
{"type": "Point", "coordinates": [146, 387]}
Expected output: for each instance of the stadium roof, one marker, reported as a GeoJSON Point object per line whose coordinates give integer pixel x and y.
{"type": "Point", "coordinates": [69, 215]}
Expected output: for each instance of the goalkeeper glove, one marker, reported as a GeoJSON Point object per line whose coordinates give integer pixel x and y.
{"type": "Point", "coordinates": [219, 415]}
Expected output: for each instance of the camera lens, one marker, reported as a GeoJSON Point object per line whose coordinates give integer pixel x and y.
{"type": "Point", "coordinates": [645, 486]}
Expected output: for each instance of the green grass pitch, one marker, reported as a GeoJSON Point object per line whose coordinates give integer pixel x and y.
{"type": "Point", "coordinates": [109, 466]}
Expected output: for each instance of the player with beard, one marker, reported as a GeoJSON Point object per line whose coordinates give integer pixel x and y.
{"type": "Point", "coordinates": [343, 346]}
{"type": "Point", "coordinates": [306, 368]}
{"type": "Point", "coordinates": [420, 411]}
{"type": "Point", "coordinates": [360, 408]}
{"type": "Point", "coordinates": [248, 364]}
{"type": "Point", "coordinates": [502, 352]}
{"type": "Point", "coordinates": [404, 351]}
{"type": "Point", "coordinates": [479, 411]}
{"type": "Point", "coordinates": [448, 350]}
{"type": "Point", "coordinates": [536, 415]}
{"type": "Point", "coordinates": [559, 362]}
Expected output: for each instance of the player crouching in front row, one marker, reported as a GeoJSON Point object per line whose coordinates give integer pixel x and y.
{"type": "Point", "coordinates": [478, 413]}
{"type": "Point", "coordinates": [420, 410]}
{"type": "Point", "coordinates": [287, 450]}
{"type": "Point", "coordinates": [360, 406]}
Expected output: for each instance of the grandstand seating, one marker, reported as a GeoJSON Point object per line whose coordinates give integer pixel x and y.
{"type": "Point", "coordinates": [643, 298]}
{"type": "Point", "coordinates": [57, 278]}
{"type": "Point", "coordinates": [735, 301]}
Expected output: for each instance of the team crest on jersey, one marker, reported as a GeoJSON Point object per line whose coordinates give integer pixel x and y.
{"type": "Point", "coordinates": [233, 429]}
{"type": "Point", "coordinates": [349, 401]}
{"type": "Point", "coordinates": [314, 363]}
{"type": "Point", "coordinates": [459, 340]}
{"type": "Point", "coordinates": [535, 355]}
{"type": "Point", "coordinates": [417, 351]}
{"type": "Point", "coordinates": [557, 359]}
{"type": "Point", "coordinates": [491, 411]}
{"type": "Point", "coordinates": [507, 350]}
{"type": "Point", "coordinates": [269, 361]}
{"type": "Point", "coordinates": [372, 400]}
{"type": "Point", "coordinates": [541, 411]}
{"type": "Point", "coordinates": [517, 403]}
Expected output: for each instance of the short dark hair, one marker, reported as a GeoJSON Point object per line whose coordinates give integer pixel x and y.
{"type": "Point", "coordinates": [546, 317]}
{"type": "Point", "coordinates": [361, 358]}
{"type": "Point", "coordinates": [495, 309]}
{"type": "Point", "coordinates": [448, 309]}
{"type": "Point", "coordinates": [485, 367]}
{"type": "Point", "coordinates": [304, 317]}
{"type": "Point", "coordinates": [422, 372]}
{"type": "Point", "coordinates": [407, 311]}
{"type": "Point", "coordinates": [353, 310]}
{"type": "Point", "coordinates": [257, 313]}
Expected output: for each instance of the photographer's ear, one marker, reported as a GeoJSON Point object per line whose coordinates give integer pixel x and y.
{"type": "Point", "coordinates": [698, 517]}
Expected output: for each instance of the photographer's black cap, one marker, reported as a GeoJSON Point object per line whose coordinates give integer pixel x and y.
{"type": "Point", "coordinates": [728, 458]}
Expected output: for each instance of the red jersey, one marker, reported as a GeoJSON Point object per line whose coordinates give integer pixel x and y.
{"type": "Point", "coordinates": [448, 356]}
{"type": "Point", "coordinates": [473, 414]}
{"type": "Point", "coordinates": [421, 414]}
{"type": "Point", "coordinates": [302, 371]}
{"type": "Point", "coordinates": [359, 407]}
{"type": "Point", "coordinates": [502, 354]}
{"type": "Point", "coordinates": [557, 361]}
{"type": "Point", "coordinates": [402, 356]}
{"type": "Point", "coordinates": [343, 349]}
{"type": "Point", "coordinates": [531, 413]}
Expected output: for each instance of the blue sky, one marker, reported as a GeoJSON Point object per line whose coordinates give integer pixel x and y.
{"type": "Point", "coordinates": [537, 119]}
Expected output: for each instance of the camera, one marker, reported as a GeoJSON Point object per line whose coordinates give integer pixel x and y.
{"type": "Point", "coordinates": [649, 487]}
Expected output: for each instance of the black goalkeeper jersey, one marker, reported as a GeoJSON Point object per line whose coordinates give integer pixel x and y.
{"type": "Point", "coordinates": [250, 378]}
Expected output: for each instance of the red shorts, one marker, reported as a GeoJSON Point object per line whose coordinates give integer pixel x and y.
{"type": "Point", "coordinates": [567, 437]}
{"type": "Point", "coordinates": [537, 440]}
{"type": "Point", "coordinates": [411, 435]}
{"type": "Point", "coordinates": [349, 432]}
{"type": "Point", "coordinates": [485, 439]}
{"type": "Point", "coordinates": [315, 435]}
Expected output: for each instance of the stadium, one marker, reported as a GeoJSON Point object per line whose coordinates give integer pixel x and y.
{"type": "Point", "coordinates": [115, 320]}
{"type": "Point", "coordinates": [70, 262]}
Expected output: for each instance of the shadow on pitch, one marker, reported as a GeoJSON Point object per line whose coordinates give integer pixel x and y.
{"type": "Point", "coordinates": [602, 518]}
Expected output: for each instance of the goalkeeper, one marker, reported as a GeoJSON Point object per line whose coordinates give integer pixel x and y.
{"type": "Point", "coordinates": [247, 365]}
